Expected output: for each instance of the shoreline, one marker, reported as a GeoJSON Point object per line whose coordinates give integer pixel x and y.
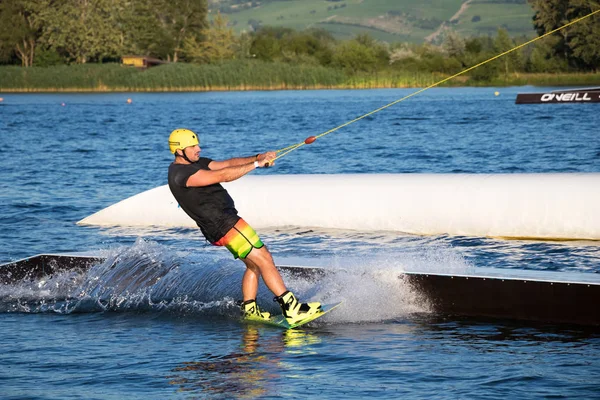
{"type": "Point", "coordinates": [251, 88]}
{"type": "Point", "coordinates": [113, 78]}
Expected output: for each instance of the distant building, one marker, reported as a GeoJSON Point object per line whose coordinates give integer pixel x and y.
{"type": "Point", "coordinates": [140, 61]}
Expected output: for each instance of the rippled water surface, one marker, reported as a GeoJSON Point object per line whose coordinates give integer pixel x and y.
{"type": "Point", "coordinates": [164, 323]}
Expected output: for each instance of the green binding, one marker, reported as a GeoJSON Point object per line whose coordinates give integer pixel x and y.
{"type": "Point", "coordinates": [280, 321]}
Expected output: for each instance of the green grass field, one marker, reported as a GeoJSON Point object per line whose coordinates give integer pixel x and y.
{"type": "Point", "coordinates": [240, 75]}
{"type": "Point", "coordinates": [349, 31]}
{"type": "Point", "coordinates": [516, 18]}
{"type": "Point", "coordinates": [232, 75]}
{"type": "Point", "coordinates": [388, 20]}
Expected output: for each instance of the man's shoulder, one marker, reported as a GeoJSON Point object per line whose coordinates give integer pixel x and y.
{"type": "Point", "coordinates": [204, 161]}
{"type": "Point", "coordinates": [179, 167]}
{"type": "Point", "coordinates": [180, 172]}
{"type": "Point", "coordinates": [189, 169]}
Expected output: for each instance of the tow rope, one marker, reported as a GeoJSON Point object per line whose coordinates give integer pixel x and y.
{"type": "Point", "coordinates": [286, 150]}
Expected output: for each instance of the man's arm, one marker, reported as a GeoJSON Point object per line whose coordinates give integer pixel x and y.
{"type": "Point", "coordinates": [228, 174]}
{"type": "Point", "coordinates": [234, 162]}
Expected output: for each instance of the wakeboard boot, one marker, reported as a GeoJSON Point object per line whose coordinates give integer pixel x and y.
{"type": "Point", "coordinates": [293, 310]}
{"type": "Point", "coordinates": [250, 309]}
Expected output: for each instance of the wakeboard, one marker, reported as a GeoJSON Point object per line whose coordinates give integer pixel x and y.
{"type": "Point", "coordinates": [280, 321]}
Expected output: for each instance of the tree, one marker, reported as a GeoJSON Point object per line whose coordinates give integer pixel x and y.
{"type": "Point", "coordinates": [485, 72]}
{"type": "Point", "coordinates": [181, 19]}
{"type": "Point", "coordinates": [380, 49]}
{"type": "Point", "coordinates": [540, 58]}
{"type": "Point", "coordinates": [19, 29]}
{"type": "Point", "coordinates": [243, 45]}
{"type": "Point", "coordinates": [141, 32]}
{"type": "Point", "coordinates": [218, 42]}
{"type": "Point", "coordinates": [473, 46]}
{"type": "Point", "coordinates": [511, 61]}
{"type": "Point", "coordinates": [267, 43]}
{"type": "Point", "coordinates": [433, 59]}
{"type": "Point", "coordinates": [585, 36]}
{"type": "Point", "coordinates": [579, 44]}
{"type": "Point", "coordinates": [454, 45]}
{"type": "Point", "coordinates": [82, 29]}
{"type": "Point", "coordinates": [355, 57]}
{"type": "Point", "coordinates": [311, 47]}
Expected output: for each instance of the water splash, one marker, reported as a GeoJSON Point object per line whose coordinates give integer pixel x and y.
{"type": "Point", "coordinates": [143, 277]}
{"type": "Point", "coordinates": [371, 292]}
{"type": "Point", "coordinates": [149, 277]}
{"type": "Point", "coordinates": [373, 287]}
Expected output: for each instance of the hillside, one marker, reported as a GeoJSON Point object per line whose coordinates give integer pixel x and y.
{"type": "Point", "coordinates": [388, 20]}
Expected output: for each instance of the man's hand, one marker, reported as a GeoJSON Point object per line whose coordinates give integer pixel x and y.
{"type": "Point", "coordinates": [266, 159]}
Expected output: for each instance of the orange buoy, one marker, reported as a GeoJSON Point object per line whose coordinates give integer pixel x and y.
{"type": "Point", "coordinates": [310, 139]}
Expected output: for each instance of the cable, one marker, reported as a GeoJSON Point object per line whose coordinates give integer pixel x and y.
{"type": "Point", "coordinates": [311, 139]}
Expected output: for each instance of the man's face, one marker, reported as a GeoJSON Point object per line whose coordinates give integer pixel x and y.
{"type": "Point", "coordinates": [192, 152]}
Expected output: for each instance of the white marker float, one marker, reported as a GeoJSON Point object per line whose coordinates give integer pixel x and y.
{"type": "Point", "coordinates": [532, 206]}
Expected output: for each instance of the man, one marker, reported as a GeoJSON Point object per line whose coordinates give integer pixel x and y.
{"type": "Point", "coordinates": [196, 185]}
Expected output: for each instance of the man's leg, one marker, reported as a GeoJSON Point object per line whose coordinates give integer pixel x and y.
{"type": "Point", "coordinates": [250, 280]}
{"type": "Point", "coordinates": [259, 262]}
{"type": "Point", "coordinates": [243, 242]}
{"type": "Point", "coordinates": [250, 290]}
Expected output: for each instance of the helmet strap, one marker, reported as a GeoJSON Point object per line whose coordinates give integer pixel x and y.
{"type": "Point", "coordinates": [185, 157]}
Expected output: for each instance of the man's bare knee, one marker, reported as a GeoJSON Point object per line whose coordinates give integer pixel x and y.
{"type": "Point", "coordinates": [257, 255]}
{"type": "Point", "coordinates": [251, 265]}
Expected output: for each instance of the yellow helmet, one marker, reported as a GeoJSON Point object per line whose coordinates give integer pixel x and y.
{"type": "Point", "coordinates": [182, 138]}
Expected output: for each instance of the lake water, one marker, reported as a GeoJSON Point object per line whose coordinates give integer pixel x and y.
{"type": "Point", "coordinates": [65, 156]}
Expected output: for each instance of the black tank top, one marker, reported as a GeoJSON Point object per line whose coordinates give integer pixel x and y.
{"type": "Point", "coordinates": [210, 206]}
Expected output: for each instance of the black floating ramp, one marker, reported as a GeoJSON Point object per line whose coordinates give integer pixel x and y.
{"type": "Point", "coordinates": [36, 267]}
{"type": "Point", "coordinates": [553, 297]}
{"type": "Point", "coordinates": [585, 95]}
